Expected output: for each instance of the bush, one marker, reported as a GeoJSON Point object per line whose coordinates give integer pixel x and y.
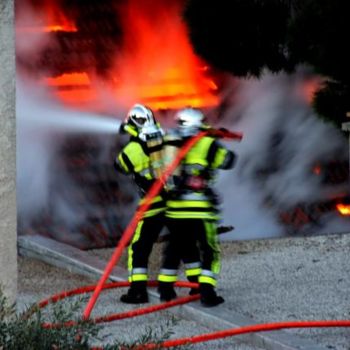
{"type": "Point", "coordinates": [25, 331]}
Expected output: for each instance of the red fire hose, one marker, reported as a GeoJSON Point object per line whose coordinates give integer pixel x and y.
{"type": "Point", "coordinates": [155, 189]}
{"type": "Point", "coordinates": [242, 330]}
{"type": "Point", "coordinates": [179, 301]}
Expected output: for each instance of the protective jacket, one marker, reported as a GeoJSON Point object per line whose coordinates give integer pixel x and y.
{"type": "Point", "coordinates": [141, 160]}
{"type": "Point", "coordinates": [190, 192]}
{"type": "Point", "coordinates": [136, 159]}
{"type": "Point", "coordinates": [192, 212]}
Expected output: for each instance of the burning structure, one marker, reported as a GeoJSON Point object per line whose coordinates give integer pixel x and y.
{"type": "Point", "coordinates": [101, 57]}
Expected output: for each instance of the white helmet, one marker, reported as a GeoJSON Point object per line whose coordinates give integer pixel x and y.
{"type": "Point", "coordinates": [140, 116]}
{"type": "Point", "coordinates": [189, 121]}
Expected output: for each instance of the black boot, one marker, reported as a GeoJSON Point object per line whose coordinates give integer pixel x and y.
{"type": "Point", "coordinates": [137, 293]}
{"type": "Point", "coordinates": [209, 297]}
{"type": "Point", "coordinates": [166, 291]}
{"type": "Point", "coordinates": [195, 290]}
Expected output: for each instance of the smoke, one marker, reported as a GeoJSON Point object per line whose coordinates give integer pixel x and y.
{"type": "Point", "coordinates": [30, 47]}
{"type": "Point", "coordinates": [283, 140]}
{"type": "Point", "coordinates": [155, 63]}
{"type": "Point", "coordinates": [44, 185]}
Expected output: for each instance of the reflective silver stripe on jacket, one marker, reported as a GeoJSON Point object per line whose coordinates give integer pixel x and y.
{"type": "Point", "coordinates": [193, 197]}
{"type": "Point", "coordinates": [208, 273]}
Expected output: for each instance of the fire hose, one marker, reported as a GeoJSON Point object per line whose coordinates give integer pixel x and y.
{"type": "Point", "coordinates": [180, 301]}
{"type": "Point", "coordinates": [101, 285]}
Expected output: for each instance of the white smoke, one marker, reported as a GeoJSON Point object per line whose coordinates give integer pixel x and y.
{"type": "Point", "coordinates": [30, 43]}
{"type": "Point", "coordinates": [41, 123]}
{"type": "Point", "coordinates": [283, 139]}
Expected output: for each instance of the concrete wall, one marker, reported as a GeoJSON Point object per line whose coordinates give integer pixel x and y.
{"type": "Point", "coordinates": [8, 217]}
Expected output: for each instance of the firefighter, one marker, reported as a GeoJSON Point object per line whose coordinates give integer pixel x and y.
{"type": "Point", "coordinates": [142, 159]}
{"type": "Point", "coordinates": [191, 212]}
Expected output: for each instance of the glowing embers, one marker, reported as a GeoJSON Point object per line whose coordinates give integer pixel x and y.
{"type": "Point", "coordinates": [343, 209]}
{"type": "Point", "coordinates": [73, 88]}
{"type": "Point", "coordinates": [47, 29]}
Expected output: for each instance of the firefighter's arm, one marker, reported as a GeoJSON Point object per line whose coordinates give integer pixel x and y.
{"type": "Point", "coordinates": [121, 164]}
{"type": "Point", "coordinates": [224, 158]}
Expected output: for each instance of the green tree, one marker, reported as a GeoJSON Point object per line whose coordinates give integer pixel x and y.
{"type": "Point", "coordinates": [245, 36]}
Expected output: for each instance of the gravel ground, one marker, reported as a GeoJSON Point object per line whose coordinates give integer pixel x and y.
{"type": "Point", "coordinates": [268, 280]}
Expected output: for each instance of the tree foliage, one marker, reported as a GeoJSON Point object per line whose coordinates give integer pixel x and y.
{"type": "Point", "coordinates": [240, 36]}
{"type": "Point", "coordinates": [246, 36]}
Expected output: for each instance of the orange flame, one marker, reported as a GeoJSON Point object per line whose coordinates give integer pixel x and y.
{"type": "Point", "coordinates": [158, 66]}
{"type": "Point", "coordinates": [73, 89]}
{"type": "Point", "coordinates": [77, 78]}
{"type": "Point", "coordinates": [155, 64]}
{"type": "Point", "coordinates": [344, 209]}
{"type": "Point", "coordinates": [56, 19]}
{"type": "Point", "coordinates": [308, 89]}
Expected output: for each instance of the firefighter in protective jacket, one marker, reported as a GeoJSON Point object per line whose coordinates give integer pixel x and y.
{"type": "Point", "coordinates": [142, 159]}
{"type": "Point", "coordinates": [191, 212]}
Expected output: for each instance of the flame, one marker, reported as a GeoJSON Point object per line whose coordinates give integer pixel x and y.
{"type": "Point", "coordinates": [56, 19]}
{"type": "Point", "coordinates": [158, 65]}
{"type": "Point", "coordinates": [73, 88]}
{"type": "Point", "coordinates": [344, 209]}
{"type": "Point", "coordinates": [76, 78]}
{"type": "Point", "coordinates": [308, 89]}
{"type": "Point", "coordinates": [155, 63]}
{"type": "Point", "coordinates": [53, 19]}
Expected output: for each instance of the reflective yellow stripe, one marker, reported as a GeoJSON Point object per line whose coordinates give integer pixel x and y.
{"type": "Point", "coordinates": [188, 204]}
{"type": "Point", "coordinates": [154, 200]}
{"type": "Point", "coordinates": [166, 278]}
{"type": "Point", "coordinates": [134, 240]}
{"type": "Point", "coordinates": [212, 239]}
{"type": "Point", "coordinates": [130, 130]}
{"type": "Point", "coordinates": [219, 158]}
{"type": "Point", "coordinates": [207, 279]}
{"type": "Point", "coordinates": [153, 212]}
{"type": "Point", "coordinates": [138, 277]}
{"type": "Point", "coordinates": [191, 215]}
{"type": "Point", "coordinates": [193, 272]}
{"type": "Point", "coordinates": [122, 163]}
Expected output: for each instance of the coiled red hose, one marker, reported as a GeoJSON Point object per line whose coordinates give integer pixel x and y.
{"type": "Point", "coordinates": [179, 301]}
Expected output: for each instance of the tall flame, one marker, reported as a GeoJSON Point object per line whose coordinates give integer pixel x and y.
{"type": "Point", "coordinates": [158, 65]}
{"type": "Point", "coordinates": [155, 63]}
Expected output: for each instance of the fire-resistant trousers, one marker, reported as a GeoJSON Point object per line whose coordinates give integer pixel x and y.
{"type": "Point", "coordinates": [192, 241]}
{"type": "Point", "coordinates": [146, 234]}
